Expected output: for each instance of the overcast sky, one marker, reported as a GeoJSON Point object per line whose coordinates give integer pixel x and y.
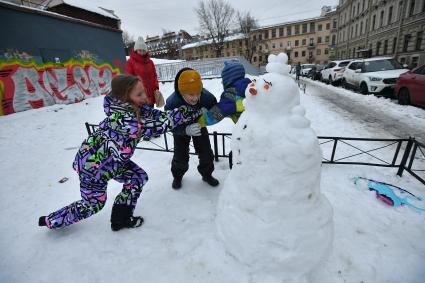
{"type": "Point", "coordinates": [150, 17]}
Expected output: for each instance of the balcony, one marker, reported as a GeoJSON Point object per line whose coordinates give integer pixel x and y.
{"type": "Point", "coordinates": [311, 46]}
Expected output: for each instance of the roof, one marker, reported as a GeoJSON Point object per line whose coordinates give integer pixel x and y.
{"type": "Point", "coordinates": [209, 41]}
{"type": "Point", "coordinates": [280, 23]}
{"type": "Point", "coordinates": [84, 5]}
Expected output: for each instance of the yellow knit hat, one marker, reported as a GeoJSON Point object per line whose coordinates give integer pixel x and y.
{"type": "Point", "coordinates": [190, 82]}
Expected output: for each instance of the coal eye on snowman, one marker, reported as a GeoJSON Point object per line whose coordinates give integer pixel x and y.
{"type": "Point", "coordinates": [269, 83]}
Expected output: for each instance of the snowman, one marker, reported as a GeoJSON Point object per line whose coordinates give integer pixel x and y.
{"type": "Point", "coordinates": [271, 215]}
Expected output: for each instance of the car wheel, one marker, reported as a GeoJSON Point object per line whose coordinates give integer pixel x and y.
{"type": "Point", "coordinates": [344, 84]}
{"type": "Point", "coordinates": [330, 79]}
{"type": "Point", "coordinates": [404, 97]}
{"type": "Point", "coordinates": [363, 88]}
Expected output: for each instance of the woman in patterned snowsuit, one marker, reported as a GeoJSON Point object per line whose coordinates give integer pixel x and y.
{"type": "Point", "coordinates": [106, 154]}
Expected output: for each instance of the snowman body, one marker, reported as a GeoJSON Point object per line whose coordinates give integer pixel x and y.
{"type": "Point", "coordinates": [271, 215]}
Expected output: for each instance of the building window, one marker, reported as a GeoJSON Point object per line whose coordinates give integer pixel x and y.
{"type": "Point", "coordinates": [334, 24]}
{"type": "Point", "coordinates": [260, 47]}
{"type": "Point", "coordinates": [312, 27]}
{"type": "Point", "coordinates": [357, 29]}
{"type": "Point", "coordinates": [296, 53]}
{"type": "Point", "coordinates": [354, 11]}
{"type": "Point", "coordinates": [297, 42]}
{"type": "Point", "coordinates": [406, 42]}
{"type": "Point", "coordinates": [260, 58]}
{"type": "Point", "coordinates": [266, 34]}
{"type": "Point", "coordinates": [411, 7]}
{"type": "Point", "coordinates": [361, 28]}
{"type": "Point", "coordinates": [390, 15]}
{"type": "Point", "coordinates": [373, 22]}
{"type": "Point", "coordinates": [318, 51]}
{"type": "Point", "coordinates": [304, 28]}
{"type": "Point", "coordinates": [378, 48]}
{"type": "Point", "coordinates": [281, 44]}
{"type": "Point", "coordinates": [255, 58]}
{"type": "Point", "coordinates": [311, 42]}
{"type": "Point", "coordinates": [319, 27]}
{"type": "Point", "coordinates": [260, 37]}
{"type": "Point", "coordinates": [303, 53]}
{"type": "Point", "coordinates": [254, 37]}
{"type": "Point", "coordinates": [363, 5]}
{"type": "Point", "coordinates": [327, 39]}
{"type": "Point", "coordinates": [385, 47]}
{"type": "Point", "coordinates": [273, 45]}
{"type": "Point", "coordinates": [394, 44]}
{"type": "Point", "coordinates": [381, 19]}
{"type": "Point", "coordinates": [227, 45]}
{"type": "Point", "coordinates": [297, 29]}
{"type": "Point", "coordinates": [288, 31]}
{"type": "Point", "coordinates": [289, 44]}
{"type": "Point", "coordinates": [352, 32]}
{"type": "Point", "coordinates": [414, 62]}
{"type": "Point", "coordinates": [358, 8]}
{"type": "Point", "coordinates": [333, 39]}
{"type": "Point", "coordinates": [319, 39]}
{"type": "Point", "coordinates": [281, 32]}
{"type": "Point", "coordinates": [274, 33]}
{"type": "Point", "coordinates": [328, 26]}
{"type": "Point", "coordinates": [304, 41]}
{"type": "Point", "coordinates": [326, 51]}
{"type": "Point", "coordinates": [419, 37]}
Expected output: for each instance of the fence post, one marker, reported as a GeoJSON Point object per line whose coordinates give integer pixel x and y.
{"type": "Point", "coordinates": [215, 146]}
{"type": "Point", "coordinates": [333, 150]}
{"type": "Point", "coordinates": [88, 128]}
{"type": "Point", "coordinates": [405, 156]}
{"type": "Point", "coordinates": [166, 142]}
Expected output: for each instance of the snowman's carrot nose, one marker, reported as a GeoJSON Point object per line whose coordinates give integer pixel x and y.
{"type": "Point", "coordinates": [253, 91]}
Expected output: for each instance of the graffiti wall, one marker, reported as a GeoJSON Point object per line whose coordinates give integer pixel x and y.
{"type": "Point", "coordinates": [25, 86]}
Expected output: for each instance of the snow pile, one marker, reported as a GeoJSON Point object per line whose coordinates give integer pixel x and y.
{"type": "Point", "coordinates": [271, 214]}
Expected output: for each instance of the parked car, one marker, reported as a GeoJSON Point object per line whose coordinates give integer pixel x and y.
{"type": "Point", "coordinates": [315, 72]}
{"type": "Point", "coordinates": [333, 71]}
{"type": "Point", "coordinates": [305, 68]}
{"type": "Point", "coordinates": [373, 75]}
{"type": "Point", "coordinates": [410, 87]}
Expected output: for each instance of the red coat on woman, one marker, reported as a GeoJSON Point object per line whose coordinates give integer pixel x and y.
{"type": "Point", "coordinates": [143, 67]}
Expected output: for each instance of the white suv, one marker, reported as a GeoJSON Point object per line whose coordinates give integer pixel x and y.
{"type": "Point", "coordinates": [373, 75]}
{"type": "Point", "coordinates": [333, 71]}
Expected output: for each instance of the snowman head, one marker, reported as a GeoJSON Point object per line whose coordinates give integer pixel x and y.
{"type": "Point", "coordinates": [274, 92]}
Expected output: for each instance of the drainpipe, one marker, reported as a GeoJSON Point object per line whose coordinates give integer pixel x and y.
{"type": "Point", "coordinates": [402, 12]}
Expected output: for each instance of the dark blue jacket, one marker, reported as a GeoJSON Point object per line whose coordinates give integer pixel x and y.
{"type": "Point", "coordinates": [175, 100]}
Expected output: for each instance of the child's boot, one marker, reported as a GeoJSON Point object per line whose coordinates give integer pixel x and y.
{"type": "Point", "coordinates": [213, 182]}
{"type": "Point", "coordinates": [177, 183]}
{"type": "Point", "coordinates": [122, 217]}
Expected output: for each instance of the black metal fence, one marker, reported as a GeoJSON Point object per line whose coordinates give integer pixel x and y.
{"type": "Point", "coordinates": [404, 154]}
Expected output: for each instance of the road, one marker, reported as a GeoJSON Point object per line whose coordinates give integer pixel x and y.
{"type": "Point", "coordinates": [400, 121]}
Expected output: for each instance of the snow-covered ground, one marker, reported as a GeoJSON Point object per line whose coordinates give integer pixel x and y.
{"type": "Point", "coordinates": [373, 242]}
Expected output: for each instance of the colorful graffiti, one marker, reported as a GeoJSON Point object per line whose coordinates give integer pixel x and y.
{"type": "Point", "coordinates": [29, 86]}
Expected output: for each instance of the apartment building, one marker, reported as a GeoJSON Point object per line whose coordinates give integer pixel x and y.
{"type": "Point", "coordinates": [168, 46]}
{"type": "Point", "coordinates": [304, 41]}
{"type": "Point", "coordinates": [234, 45]}
{"type": "Point", "coordinates": [382, 28]}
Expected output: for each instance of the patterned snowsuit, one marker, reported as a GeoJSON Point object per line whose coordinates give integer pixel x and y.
{"type": "Point", "coordinates": [106, 154]}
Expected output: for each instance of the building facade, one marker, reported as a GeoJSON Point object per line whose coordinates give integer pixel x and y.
{"type": "Point", "coordinates": [234, 45]}
{"type": "Point", "coordinates": [369, 28]}
{"type": "Point", "coordinates": [310, 40]}
{"type": "Point", "coordinates": [304, 41]}
{"type": "Point", "coordinates": [168, 46]}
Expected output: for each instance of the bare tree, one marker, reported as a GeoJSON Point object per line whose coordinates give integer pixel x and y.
{"type": "Point", "coordinates": [246, 24]}
{"type": "Point", "coordinates": [215, 19]}
{"type": "Point", "coordinates": [127, 39]}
